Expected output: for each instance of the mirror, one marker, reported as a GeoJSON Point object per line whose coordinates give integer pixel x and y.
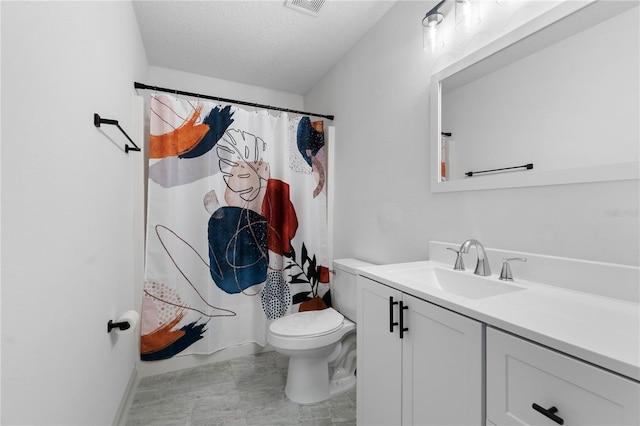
{"type": "Point", "coordinates": [555, 101]}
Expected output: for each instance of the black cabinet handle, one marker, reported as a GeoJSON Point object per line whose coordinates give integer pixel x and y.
{"type": "Point", "coordinates": [551, 413]}
{"type": "Point", "coordinates": [402, 327]}
{"type": "Point", "coordinates": [391, 323]}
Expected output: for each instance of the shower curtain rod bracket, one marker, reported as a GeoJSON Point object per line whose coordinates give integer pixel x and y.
{"type": "Point", "coordinates": [97, 121]}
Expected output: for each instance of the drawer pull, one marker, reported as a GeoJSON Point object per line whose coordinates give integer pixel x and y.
{"type": "Point", "coordinates": [391, 322]}
{"type": "Point", "coordinates": [551, 413]}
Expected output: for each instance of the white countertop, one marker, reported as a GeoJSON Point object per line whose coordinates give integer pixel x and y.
{"type": "Point", "coordinates": [601, 330]}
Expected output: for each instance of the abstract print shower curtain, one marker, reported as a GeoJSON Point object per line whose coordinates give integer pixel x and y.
{"type": "Point", "coordinates": [236, 232]}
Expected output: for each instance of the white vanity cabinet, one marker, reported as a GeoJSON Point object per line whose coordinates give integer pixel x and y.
{"type": "Point", "coordinates": [565, 390]}
{"type": "Point", "coordinates": [418, 363]}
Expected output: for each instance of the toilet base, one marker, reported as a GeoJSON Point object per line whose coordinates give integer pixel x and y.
{"type": "Point", "coordinates": [308, 380]}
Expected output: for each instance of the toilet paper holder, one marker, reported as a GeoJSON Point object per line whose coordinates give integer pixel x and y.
{"type": "Point", "coordinates": [122, 325]}
{"type": "Point", "coordinates": [127, 321]}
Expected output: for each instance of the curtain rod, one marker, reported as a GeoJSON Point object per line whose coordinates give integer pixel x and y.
{"type": "Point", "coordinates": [231, 101]}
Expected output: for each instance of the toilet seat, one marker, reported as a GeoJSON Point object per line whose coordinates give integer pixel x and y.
{"type": "Point", "coordinates": [308, 324]}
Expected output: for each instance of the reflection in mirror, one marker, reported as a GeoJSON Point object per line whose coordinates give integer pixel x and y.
{"type": "Point", "coordinates": [565, 98]}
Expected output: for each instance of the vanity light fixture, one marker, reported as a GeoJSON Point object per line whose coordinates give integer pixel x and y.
{"type": "Point", "coordinates": [430, 34]}
{"type": "Point", "coordinates": [466, 19]}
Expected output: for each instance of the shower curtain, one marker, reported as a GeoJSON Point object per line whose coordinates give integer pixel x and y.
{"type": "Point", "coordinates": [237, 225]}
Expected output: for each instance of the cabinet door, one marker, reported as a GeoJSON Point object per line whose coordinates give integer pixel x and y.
{"type": "Point", "coordinates": [379, 388]}
{"type": "Point", "coordinates": [565, 390]}
{"type": "Point", "coordinates": [442, 366]}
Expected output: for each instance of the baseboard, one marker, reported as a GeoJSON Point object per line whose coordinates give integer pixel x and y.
{"type": "Point", "coordinates": [127, 399]}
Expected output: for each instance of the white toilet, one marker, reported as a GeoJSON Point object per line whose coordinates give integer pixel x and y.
{"type": "Point", "coordinates": [321, 345]}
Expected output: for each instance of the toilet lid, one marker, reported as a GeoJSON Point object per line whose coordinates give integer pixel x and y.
{"type": "Point", "coordinates": [309, 323]}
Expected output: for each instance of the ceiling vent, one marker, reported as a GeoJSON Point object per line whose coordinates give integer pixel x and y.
{"type": "Point", "coordinates": [310, 7]}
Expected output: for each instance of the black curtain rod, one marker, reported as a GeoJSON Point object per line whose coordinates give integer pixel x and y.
{"type": "Point", "coordinates": [231, 101]}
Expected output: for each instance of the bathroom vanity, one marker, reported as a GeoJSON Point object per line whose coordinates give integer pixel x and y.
{"type": "Point", "coordinates": [438, 346]}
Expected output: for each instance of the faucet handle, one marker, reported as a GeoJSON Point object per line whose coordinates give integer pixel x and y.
{"type": "Point", "coordinates": [506, 274]}
{"type": "Point", "coordinates": [459, 265]}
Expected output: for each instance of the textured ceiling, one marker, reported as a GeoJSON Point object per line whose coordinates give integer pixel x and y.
{"type": "Point", "coordinates": [262, 43]}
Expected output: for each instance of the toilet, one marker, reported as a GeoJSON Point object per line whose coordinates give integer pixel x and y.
{"type": "Point", "coordinates": [321, 345]}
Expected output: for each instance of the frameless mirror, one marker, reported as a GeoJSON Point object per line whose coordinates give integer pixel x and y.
{"type": "Point", "coordinates": [555, 101]}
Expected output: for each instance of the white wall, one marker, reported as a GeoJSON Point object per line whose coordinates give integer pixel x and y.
{"type": "Point", "coordinates": [171, 79]}
{"type": "Point", "coordinates": [69, 254]}
{"type": "Point", "coordinates": [385, 211]}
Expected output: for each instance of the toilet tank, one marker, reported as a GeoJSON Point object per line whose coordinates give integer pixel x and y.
{"type": "Point", "coordinates": [343, 286]}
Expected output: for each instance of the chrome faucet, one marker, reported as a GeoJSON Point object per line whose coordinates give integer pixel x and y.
{"type": "Point", "coordinates": [482, 267]}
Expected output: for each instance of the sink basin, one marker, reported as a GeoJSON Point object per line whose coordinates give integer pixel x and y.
{"type": "Point", "coordinates": [461, 283]}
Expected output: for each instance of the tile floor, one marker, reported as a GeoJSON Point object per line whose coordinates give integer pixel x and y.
{"type": "Point", "coordinates": [241, 391]}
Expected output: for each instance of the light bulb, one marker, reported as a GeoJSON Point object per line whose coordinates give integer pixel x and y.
{"type": "Point", "coordinates": [430, 33]}
{"type": "Point", "coordinates": [466, 16]}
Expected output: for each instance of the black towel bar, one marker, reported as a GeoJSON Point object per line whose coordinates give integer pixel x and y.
{"type": "Point", "coordinates": [97, 121]}
{"type": "Point", "coordinates": [526, 166]}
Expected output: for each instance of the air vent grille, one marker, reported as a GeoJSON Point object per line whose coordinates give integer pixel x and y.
{"type": "Point", "coordinates": [310, 7]}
